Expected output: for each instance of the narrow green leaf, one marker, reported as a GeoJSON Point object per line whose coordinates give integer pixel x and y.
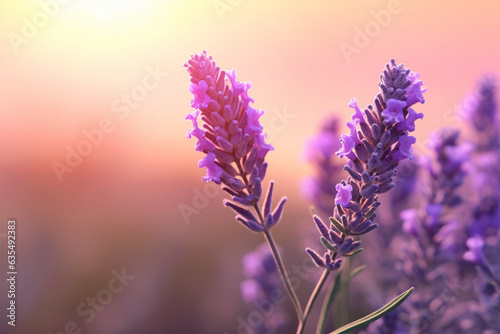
{"type": "Point", "coordinates": [357, 271]}
{"type": "Point", "coordinates": [332, 293]}
{"type": "Point", "coordinates": [327, 244]}
{"type": "Point", "coordinates": [353, 253]}
{"type": "Point", "coordinates": [337, 224]}
{"type": "Point", "coordinates": [375, 315]}
{"type": "Point", "coordinates": [328, 302]}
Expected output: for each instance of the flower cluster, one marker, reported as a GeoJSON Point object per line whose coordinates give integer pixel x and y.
{"type": "Point", "coordinates": [484, 231]}
{"type": "Point", "coordinates": [480, 112]}
{"type": "Point", "coordinates": [425, 250]}
{"type": "Point", "coordinates": [231, 139]}
{"type": "Point", "coordinates": [378, 140]}
{"type": "Point", "coordinates": [262, 281]}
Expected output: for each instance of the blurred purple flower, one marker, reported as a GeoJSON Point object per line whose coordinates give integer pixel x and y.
{"type": "Point", "coordinates": [319, 151]}
{"type": "Point", "coordinates": [262, 279]}
{"type": "Point", "coordinates": [475, 252]}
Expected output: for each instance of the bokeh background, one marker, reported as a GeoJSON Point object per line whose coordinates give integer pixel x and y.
{"type": "Point", "coordinates": [65, 64]}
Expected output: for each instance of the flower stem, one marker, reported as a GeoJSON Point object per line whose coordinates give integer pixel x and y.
{"type": "Point", "coordinates": [311, 301]}
{"type": "Point", "coordinates": [284, 275]}
{"type": "Point", "coordinates": [276, 254]}
{"type": "Point", "coordinates": [325, 309]}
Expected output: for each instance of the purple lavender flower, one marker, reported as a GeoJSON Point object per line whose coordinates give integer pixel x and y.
{"type": "Point", "coordinates": [481, 118]}
{"type": "Point", "coordinates": [235, 150]}
{"type": "Point", "coordinates": [480, 108]}
{"type": "Point", "coordinates": [428, 255]}
{"type": "Point", "coordinates": [480, 112]}
{"type": "Point", "coordinates": [378, 139]}
{"type": "Point", "coordinates": [445, 241]}
{"type": "Point", "coordinates": [262, 280]}
{"type": "Point", "coordinates": [231, 139]}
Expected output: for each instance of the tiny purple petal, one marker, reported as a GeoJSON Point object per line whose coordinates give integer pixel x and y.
{"type": "Point", "coordinates": [350, 140]}
{"type": "Point", "coordinates": [214, 172]}
{"type": "Point", "coordinates": [261, 146]}
{"type": "Point", "coordinates": [203, 143]}
{"type": "Point", "coordinates": [199, 90]}
{"type": "Point", "coordinates": [414, 93]}
{"type": "Point", "coordinates": [394, 111]}
{"type": "Point", "coordinates": [344, 194]}
{"type": "Point", "coordinates": [253, 126]}
{"type": "Point", "coordinates": [347, 145]}
{"type": "Point", "coordinates": [358, 114]}
{"type": "Point", "coordinates": [403, 151]}
{"type": "Point", "coordinates": [238, 87]}
{"type": "Point", "coordinates": [409, 123]}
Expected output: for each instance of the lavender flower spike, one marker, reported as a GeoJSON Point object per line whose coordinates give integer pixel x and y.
{"type": "Point", "coordinates": [231, 138]}
{"type": "Point", "coordinates": [235, 149]}
{"type": "Point", "coordinates": [377, 141]}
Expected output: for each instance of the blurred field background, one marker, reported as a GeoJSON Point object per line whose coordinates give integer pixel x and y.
{"type": "Point", "coordinates": [120, 207]}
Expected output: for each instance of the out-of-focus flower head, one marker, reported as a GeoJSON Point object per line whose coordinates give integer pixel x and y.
{"type": "Point", "coordinates": [261, 280]}
{"type": "Point", "coordinates": [320, 153]}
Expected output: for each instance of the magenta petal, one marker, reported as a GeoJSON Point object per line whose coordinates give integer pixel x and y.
{"type": "Point", "coordinates": [403, 151]}
{"type": "Point", "coordinates": [261, 146]}
{"type": "Point", "coordinates": [203, 143]}
{"type": "Point", "coordinates": [358, 114]}
{"type": "Point", "coordinates": [199, 90]}
{"type": "Point", "coordinates": [253, 126]}
{"type": "Point", "coordinates": [344, 194]}
{"type": "Point", "coordinates": [394, 111]}
{"type": "Point", "coordinates": [214, 172]}
{"type": "Point", "coordinates": [414, 93]}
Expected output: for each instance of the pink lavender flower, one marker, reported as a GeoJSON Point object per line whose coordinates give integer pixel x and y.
{"type": "Point", "coordinates": [377, 141]}
{"type": "Point", "coordinates": [231, 138]}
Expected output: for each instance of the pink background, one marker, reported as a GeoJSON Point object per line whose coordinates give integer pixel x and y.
{"type": "Point", "coordinates": [120, 207]}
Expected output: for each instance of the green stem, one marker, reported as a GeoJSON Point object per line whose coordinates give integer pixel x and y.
{"type": "Point", "coordinates": [311, 301]}
{"type": "Point", "coordinates": [284, 275]}
{"type": "Point", "coordinates": [327, 303]}
{"type": "Point", "coordinates": [346, 292]}
{"type": "Point", "coordinates": [276, 253]}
